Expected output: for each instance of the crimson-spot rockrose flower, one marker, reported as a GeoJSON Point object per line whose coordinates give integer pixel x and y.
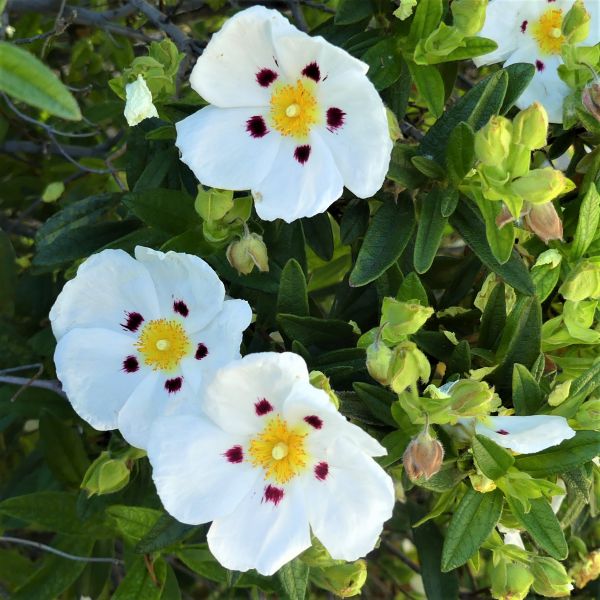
{"type": "Point", "coordinates": [139, 338]}
{"type": "Point", "coordinates": [291, 117]}
{"type": "Point", "coordinates": [269, 461]}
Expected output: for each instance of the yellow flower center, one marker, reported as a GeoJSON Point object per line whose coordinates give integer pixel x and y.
{"type": "Point", "coordinates": [548, 33]}
{"type": "Point", "coordinates": [294, 108]}
{"type": "Point", "coordinates": [279, 450]}
{"type": "Point", "coordinates": [163, 344]}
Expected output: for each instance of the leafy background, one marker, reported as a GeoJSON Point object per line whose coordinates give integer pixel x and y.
{"type": "Point", "coordinates": [75, 179]}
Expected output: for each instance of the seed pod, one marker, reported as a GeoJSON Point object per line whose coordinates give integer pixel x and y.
{"type": "Point", "coordinates": [423, 457]}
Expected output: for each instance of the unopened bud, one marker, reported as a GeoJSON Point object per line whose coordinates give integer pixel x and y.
{"type": "Point", "coordinates": [576, 24]}
{"type": "Point", "coordinates": [105, 475]}
{"type": "Point", "coordinates": [138, 102]}
{"type": "Point", "coordinates": [321, 382]}
{"type": "Point", "coordinates": [590, 97]}
{"type": "Point", "coordinates": [344, 580]}
{"type": "Point", "coordinates": [247, 253]}
{"type": "Point", "coordinates": [423, 456]}
{"type": "Point", "coordinates": [213, 204]}
{"type": "Point", "coordinates": [481, 483]}
{"type": "Point", "coordinates": [402, 318]}
{"type": "Point", "coordinates": [541, 185]}
{"type": "Point", "coordinates": [545, 222]}
{"type": "Point", "coordinates": [492, 142]}
{"type": "Point", "coordinates": [586, 570]}
{"type": "Point", "coordinates": [550, 577]}
{"type": "Point", "coordinates": [407, 366]}
{"type": "Point", "coordinates": [588, 415]}
{"type": "Point", "coordinates": [473, 398]}
{"type": "Point", "coordinates": [530, 127]}
{"type": "Point", "coordinates": [379, 357]}
{"type": "Point", "coordinates": [510, 581]}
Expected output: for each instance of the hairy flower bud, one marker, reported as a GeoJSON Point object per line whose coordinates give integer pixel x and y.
{"type": "Point", "coordinates": [423, 456]}
{"type": "Point", "coordinates": [541, 185]}
{"type": "Point", "coordinates": [530, 127]}
{"type": "Point", "coordinates": [402, 318]}
{"type": "Point", "coordinates": [249, 252]}
{"type": "Point", "coordinates": [379, 357]}
{"type": "Point", "coordinates": [105, 475]}
{"type": "Point", "coordinates": [492, 142]}
{"type": "Point", "coordinates": [510, 581]}
{"type": "Point", "coordinates": [138, 102]}
{"type": "Point", "coordinates": [473, 398]}
{"type": "Point", "coordinates": [550, 577]}
{"type": "Point", "coordinates": [343, 580]}
{"type": "Point", "coordinates": [576, 23]}
{"type": "Point", "coordinates": [407, 366]}
{"type": "Point", "coordinates": [545, 222]}
{"type": "Point", "coordinates": [586, 570]}
{"type": "Point", "coordinates": [590, 97]}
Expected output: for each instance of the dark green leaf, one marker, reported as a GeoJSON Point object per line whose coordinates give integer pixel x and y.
{"type": "Point", "coordinates": [165, 532]}
{"type": "Point", "coordinates": [493, 460]}
{"type": "Point", "coordinates": [493, 319]}
{"type": "Point", "coordinates": [311, 331]}
{"type": "Point", "coordinates": [292, 297]}
{"type": "Point", "coordinates": [133, 521]}
{"type": "Point", "coordinates": [8, 275]}
{"type": "Point", "coordinates": [384, 60]}
{"type": "Point", "coordinates": [519, 77]}
{"type": "Point", "coordinates": [293, 578]}
{"type": "Point", "coordinates": [138, 583]}
{"type": "Point", "coordinates": [354, 221]}
{"type": "Point", "coordinates": [526, 393]}
{"type": "Point", "coordinates": [587, 223]}
{"type": "Point", "coordinates": [430, 228]}
{"type": "Point", "coordinates": [352, 11]}
{"type": "Point", "coordinates": [460, 152]}
{"type": "Point", "coordinates": [156, 171]}
{"type": "Point", "coordinates": [319, 236]}
{"type": "Point", "coordinates": [378, 400]}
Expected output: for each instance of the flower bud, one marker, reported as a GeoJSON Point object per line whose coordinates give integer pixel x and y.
{"type": "Point", "coordinates": [402, 318]}
{"type": "Point", "coordinates": [583, 282]}
{"type": "Point", "coordinates": [530, 127]}
{"type": "Point", "coordinates": [321, 382]}
{"type": "Point", "coordinates": [473, 398]}
{"type": "Point", "coordinates": [550, 577]}
{"type": "Point", "coordinates": [469, 15]}
{"type": "Point", "coordinates": [213, 204]}
{"type": "Point", "coordinates": [576, 24]}
{"type": "Point", "coordinates": [590, 97]}
{"type": "Point", "coordinates": [545, 222]}
{"type": "Point", "coordinates": [407, 366]}
{"type": "Point", "coordinates": [247, 253]}
{"type": "Point", "coordinates": [379, 357]}
{"type": "Point", "coordinates": [344, 580]}
{"type": "Point", "coordinates": [492, 142]}
{"type": "Point", "coordinates": [481, 483]}
{"type": "Point", "coordinates": [138, 102]}
{"type": "Point", "coordinates": [586, 570]}
{"type": "Point", "coordinates": [588, 415]}
{"type": "Point", "coordinates": [105, 475]}
{"type": "Point", "coordinates": [423, 456]}
{"type": "Point", "coordinates": [541, 185]}
{"type": "Point", "coordinates": [510, 581]}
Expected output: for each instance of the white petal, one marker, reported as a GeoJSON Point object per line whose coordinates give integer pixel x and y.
{"type": "Point", "coordinates": [138, 105]}
{"type": "Point", "coordinates": [107, 286]}
{"type": "Point", "coordinates": [593, 7]}
{"type": "Point", "coordinates": [231, 397]}
{"type": "Point", "coordinates": [194, 479]}
{"type": "Point", "coordinates": [305, 400]}
{"type": "Point", "coordinates": [292, 190]}
{"type": "Point", "coordinates": [216, 145]}
{"type": "Point", "coordinates": [361, 146]}
{"type": "Point", "coordinates": [348, 508]}
{"type": "Point", "coordinates": [225, 73]}
{"type": "Point", "coordinates": [546, 87]}
{"type": "Point", "coordinates": [89, 364]}
{"type": "Point", "coordinates": [184, 277]}
{"type": "Point", "coordinates": [259, 534]}
{"type": "Point", "coordinates": [527, 435]}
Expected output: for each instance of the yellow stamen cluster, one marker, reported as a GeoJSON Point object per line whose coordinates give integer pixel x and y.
{"type": "Point", "coordinates": [279, 450]}
{"type": "Point", "coordinates": [294, 109]}
{"type": "Point", "coordinates": [163, 344]}
{"type": "Point", "coordinates": [547, 31]}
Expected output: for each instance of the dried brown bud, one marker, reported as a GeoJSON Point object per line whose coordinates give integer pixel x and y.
{"type": "Point", "coordinates": [504, 217]}
{"type": "Point", "coordinates": [423, 456]}
{"type": "Point", "coordinates": [591, 99]}
{"type": "Point", "coordinates": [544, 221]}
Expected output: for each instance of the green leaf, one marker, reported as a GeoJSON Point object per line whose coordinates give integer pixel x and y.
{"type": "Point", "coordinates": [526, 393]}
{"type": "Point", "coordinates": [293, 578]}
{"type": "Point", "coordinates": [428, 167]}
{"type": "Point", "coordinates": [319, 236]}
{"type": "Point", "coordinates": [430, 85]}
{"type": "Point", "coordinates": [472, 46]}
{"type": "Point", "coordinates": [493, 460]}
{"type": "Point", "coordinates": [401, 170]}
{"type": "Point", "coordinates": [568, 455]}
{"type": "Point", "coordinates": [385, 240]}
{"type": "Point", "coordinates": [8, 275]}
{"type": "Point", "coordinates": [24, 77]}
{"type": "Point", "coordinates": [138, 584]}
{"type": "Point", "coordinates": [470, 226]}
{"type": "Point", "coordinates": [493, 319]}
{"type": "Point", "coordinates": [378, 400]}
{"type": "Point", "coordinates": [352, 11]}
{"type": "Point", "coordinates": [472, 522]}
{"type": "Point", "coordinates": [412, 289]}
{"type": "Point", "coordinates": [167, 210]}
{"type": "Point", "coordinates": [543, 526]}
{"type": "Point", "coordinates": [430, 228]}
{"type": "Point", "coordinates": [312, 331]}
{"type": "Point", "coordinates": [587, 223]}
{"type": "Point", "coordinates": [155, 171]}
{"type": "Point", "coordinates": [500, 239]}
{"type": "Point", "coordinates": [292, 297]}
{"type": "Point", "coordinates": [519, 77]}
{"type": "Point", "coordinates": [165, 532]}
{"type": "Point", "coordinates": [427, 17]}
{"type": "Point", "coordinates": [384, 60]}
{"type": "Point", "coordinates": [63, 450]}
{"type": "Point", "coordinates": [134, 522]}
{"type": "Point", "coordinates": [354, 221]}
{"type": "Point", "coordinates": [460, 152]}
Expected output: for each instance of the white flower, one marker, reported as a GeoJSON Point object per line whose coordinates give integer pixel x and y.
{"type": "Point", "coordinates": [271, 461]}
{"type": "Point", "coordinates": [530, 31]}
{"type": "Point", "coordinates": [139, 338]}
{"type": "Point", "coordinates": [526, 435]}
{"type": "Point", "coordinates": [292, 118]}
{"type": "Point", "coordinates": [511, 536]}
{"type": "Point", "coordinates": [138, 103]}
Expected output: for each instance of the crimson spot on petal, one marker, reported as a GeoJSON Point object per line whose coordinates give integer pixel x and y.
{"type": "Point", "coordinates": [312, 71]}
{"type": "Point", "coordinates": [321, 471]}
{"type": "Point", "coordinates": [133, 321]}
{"type": "Point", "coordinates": [539, 65]}
{"type": "Point", "coordinates": [524, 26]}
{"type": "Point", "coordinates": [201, 351]}
{"type": "Point", "coordinates": [131, 364]}
{"type": "Point", "coordinates": [265, 77]}
{"type": "Point", "coordinates": [262, 407]}
{"type": "Point", "coordinates": [179, 306]}
{"type": "Point", "coordinates": [273, 494]}
{"type": "Point", "coordinates": [173, 385]}
{"type": "Point", "coordinates": [234, 455]}
{"type": "Point", "coordinates": [335, 118]}
{"type": "Point", "coordinates": [502, 432]}
{"type": "Point", "coordinates": [301, 154]}
{"type": "Point", "coordinates": [314, 421]}
{"type": "Point", "coordinates": [256, 126]}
